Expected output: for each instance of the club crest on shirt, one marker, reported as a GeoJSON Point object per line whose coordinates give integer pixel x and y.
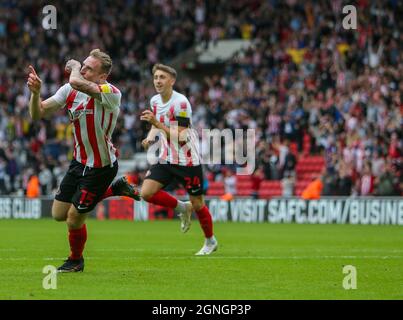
{"type": "Point", "coordinates": [169, 114]}
{"type": "Point", "coordinates": [76, 114]}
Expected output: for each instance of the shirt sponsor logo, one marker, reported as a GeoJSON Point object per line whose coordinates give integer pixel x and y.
{"type": "Point", "coordinates": [74, 115]}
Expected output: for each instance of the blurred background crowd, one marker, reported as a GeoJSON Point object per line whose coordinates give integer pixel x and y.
{"type": "Point", "coordinates": [325, 102]}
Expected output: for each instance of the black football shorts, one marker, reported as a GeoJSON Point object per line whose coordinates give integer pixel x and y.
{"type": "Point", "coordinates": [190, 177]}
{"type": "Point", "coordinates": [84, 186]}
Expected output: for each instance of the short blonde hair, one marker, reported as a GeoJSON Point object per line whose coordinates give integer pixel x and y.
{"type": "Point", "coordinates": [167, 69]}
{"type": "Point", "coordinates": [106, 61]}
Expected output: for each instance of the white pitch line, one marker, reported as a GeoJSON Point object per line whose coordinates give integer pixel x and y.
{"type": "Point", "coordinates": [317, 251]}
{"type": "Point", "coordinates": [216, 258]}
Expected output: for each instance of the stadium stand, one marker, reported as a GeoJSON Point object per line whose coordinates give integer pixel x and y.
{"type": "Point", "coordinates": [324, 102]}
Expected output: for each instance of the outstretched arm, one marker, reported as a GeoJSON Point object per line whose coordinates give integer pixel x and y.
{"type": "Point", "coordinates": [78, 82]}
{"type": "Point", "coordinates": [37, 108]}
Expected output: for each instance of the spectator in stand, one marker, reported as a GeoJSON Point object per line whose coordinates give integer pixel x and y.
{"type": "Point", "coordinates": [266, 163]}
{"type": "Point", "coordinates": [257, 178]}
{"type": "Point", "coordinates": [378, 164]}
{"type": "Point", "coordinates": [329, 180]}
{"type": "Point", "coordinates": [387, 182]}
{"type": "Point", "coordinates": [289, 164]}
{"type": "Point", "coordinates": [313, 190]}
{"type": "Point", "coordinates": [366, 183]}
{"type": "Point", "coordinates": [344, 182]}
{"type": "Point", "coordinates": [33, 187]}
{"type": "Point", "coordinates": [288, 183]}
{"type": "Point", "coordinates": [45, 179]}
{"type": "Point", "coordinates": [229, 184]}
{"type": "Point", "coordinates": [3, 188]}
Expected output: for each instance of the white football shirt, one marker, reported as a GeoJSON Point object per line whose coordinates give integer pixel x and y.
{"type": "Point", "coordinates": [93, 122]}
{"type": "Point", "coordinates": [178, 106]}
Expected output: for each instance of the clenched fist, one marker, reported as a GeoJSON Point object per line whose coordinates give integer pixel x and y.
{"type": "Point", "coordinates": [149, 117]}
{"type": "Point", "coordinates": [71, 64]}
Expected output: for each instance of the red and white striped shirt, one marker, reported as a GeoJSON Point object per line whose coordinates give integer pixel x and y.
{"type": "Point", "coordinates": [174, 152]}
{"type": "Point", "coordinates": [93, 122]}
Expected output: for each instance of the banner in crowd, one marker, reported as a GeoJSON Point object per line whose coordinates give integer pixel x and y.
{"type": "Point", "coordinates": [374, 211]}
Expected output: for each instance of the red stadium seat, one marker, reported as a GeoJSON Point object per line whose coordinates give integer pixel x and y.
{"type": "Point", "coordinates": [294, 148]}
{"type": "Point", "coordinates": [244, 185]}
{"type": "Point", "coordinates": [215, 192]}
{"type": "Point", "coordinates": [216, 188]}
{"type": "Point", "coordinates": [269, 193]}
{"type": "Point", "coordinates": [243, 178]}
{"type": "Point", "coordinates": [244, 192]}
{"type": "Point", "coordinates": [271, 184]}
{"type": "Point", "coordinates": [270, 188]}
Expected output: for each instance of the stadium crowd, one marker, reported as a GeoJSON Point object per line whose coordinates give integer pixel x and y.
{"type": "Point", "coordinates": [305, 78]}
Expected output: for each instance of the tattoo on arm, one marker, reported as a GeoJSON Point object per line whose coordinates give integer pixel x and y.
{"type": "Point", "coordinates": [78, 82]}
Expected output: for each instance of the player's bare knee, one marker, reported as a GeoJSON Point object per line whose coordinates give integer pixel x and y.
{"type": "Point", "coordinates": [197, 207]}
{"type": "Point", "coordinates": [146, 195]}
{"type": "Point", "coordinates": [59, 216]}
{"type": "Point", "coordinates": [60, 210]}
{"type": "Point", "coordinates": [197, 204]}
{"type": "Point", "coordinates": [74, 222]}
{"type": "Point", "coordinates": [149, 188]}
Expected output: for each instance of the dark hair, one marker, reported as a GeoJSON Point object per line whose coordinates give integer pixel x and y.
{"type": "Point", "coordinates": [165, 68]}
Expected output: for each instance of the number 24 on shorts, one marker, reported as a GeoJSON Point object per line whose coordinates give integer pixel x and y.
{"type": "Point", "coordinates": [189, 184]}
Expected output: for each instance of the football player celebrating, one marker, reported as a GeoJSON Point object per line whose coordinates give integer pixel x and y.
{"type": "Point", "coordinates": [171, 119]}
{"type": "Point", "coordinates": [93, 107]}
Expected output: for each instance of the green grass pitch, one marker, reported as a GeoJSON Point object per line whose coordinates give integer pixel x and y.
{"type": "Point", "coordinates": [153, 260]}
